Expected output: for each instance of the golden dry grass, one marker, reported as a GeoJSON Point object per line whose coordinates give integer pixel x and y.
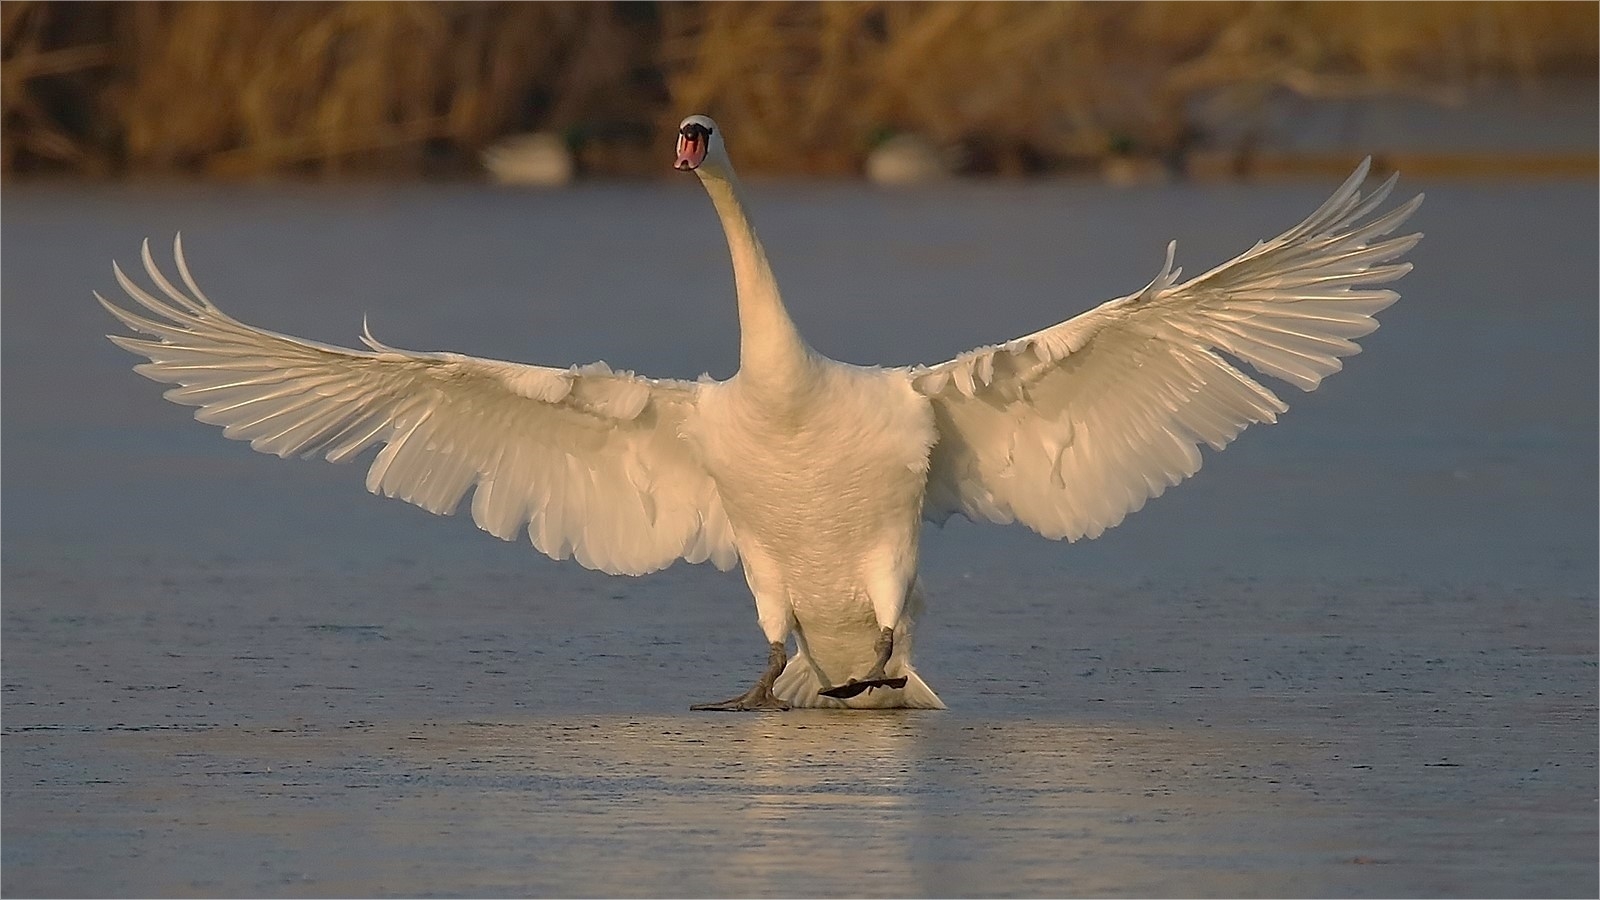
{"type": "Point", "coordinates": [256, 87]}
{"type": "Point", "coordinates": [1063, 80]}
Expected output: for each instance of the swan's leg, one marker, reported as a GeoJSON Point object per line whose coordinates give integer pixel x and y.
{"type": "Point", "coordinates": [760, 695]}
{"type": "Point", "coordinates": [888, 594]}
{"type": "Point", "coordinates": [885, 648]}
{"type": "Point", "coordinates": [772, 610]}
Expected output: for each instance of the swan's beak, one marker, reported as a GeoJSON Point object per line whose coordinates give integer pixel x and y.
{"type": "Point", "coordinates": [691, 151]}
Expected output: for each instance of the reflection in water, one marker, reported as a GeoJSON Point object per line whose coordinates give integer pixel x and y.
{"type": "Point", "coordinates": [729, 804]}
{"type": "Point", "coordinates": [826, 788]}
{"type": "Point", "coordinates": [798, 804]}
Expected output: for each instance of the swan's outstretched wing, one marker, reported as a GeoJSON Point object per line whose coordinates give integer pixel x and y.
{"type": "Point", "coordinates": [590, 461]}
{"type": "Point", "coordinates": [1071, 428]}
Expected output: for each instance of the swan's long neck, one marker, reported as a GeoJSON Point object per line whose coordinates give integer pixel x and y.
{"type": "Point", "coordinates": [770, 347]}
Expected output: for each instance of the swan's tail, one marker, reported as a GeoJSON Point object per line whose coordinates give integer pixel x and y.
{"type": "Point", "coordinates": [799, 684]}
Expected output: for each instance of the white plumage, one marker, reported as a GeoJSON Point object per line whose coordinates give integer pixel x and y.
{"type": "Point", "coordinates": [814, 474]}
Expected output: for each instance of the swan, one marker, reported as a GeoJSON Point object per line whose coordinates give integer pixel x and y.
{"type": "Point", "coordinates": [812, 474]}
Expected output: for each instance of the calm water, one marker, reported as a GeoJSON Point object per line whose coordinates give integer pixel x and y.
{"type": "Point", "coordinates": [1355, 655]}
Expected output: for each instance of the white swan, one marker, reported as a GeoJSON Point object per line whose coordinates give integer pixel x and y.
{"type": "Point", "coordinates": [816, 475]}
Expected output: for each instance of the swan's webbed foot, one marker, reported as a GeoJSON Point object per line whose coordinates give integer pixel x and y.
{"type": "Point", "coordinates": [874, 679]}
{"type": "Point", "coordinates": [853, 687]}
{"type": "Point", "coordinates": [750, 700]}
{"type": "Point", "coordinates": [760, 695]}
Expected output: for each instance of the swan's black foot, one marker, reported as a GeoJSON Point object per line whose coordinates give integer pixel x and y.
{"type": "Point", "coordinates": [874, 679]}
{"type": "Point", "coordinates": [746, 702]}
{"type": "Point", "coordinates": [758, 697]}
{"type": "Point", "coordinates": [852, 687]}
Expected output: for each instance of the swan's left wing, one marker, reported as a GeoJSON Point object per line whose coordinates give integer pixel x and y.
{"type": "Point", "coordinates": [592, 463]}
{"type": "Point", "coordinates": [1069, 429]}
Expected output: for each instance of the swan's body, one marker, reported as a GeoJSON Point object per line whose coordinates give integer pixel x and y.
{"type": "Point", "coordinates": [826, 545]}
{"type": "Point", "coordinates": [816, 475]}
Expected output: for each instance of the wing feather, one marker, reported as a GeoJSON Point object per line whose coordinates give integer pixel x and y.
{"type": "Point", "coordinates": [1071, 428]}
{"type": "Point", "coordinates": [586, 461]}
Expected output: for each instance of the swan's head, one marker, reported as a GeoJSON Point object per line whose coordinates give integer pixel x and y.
{"type": "Point", "coordinates": [699, 144]}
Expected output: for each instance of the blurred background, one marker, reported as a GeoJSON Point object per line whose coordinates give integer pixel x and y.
{"type": "Point", "coordinates": [540, 92]}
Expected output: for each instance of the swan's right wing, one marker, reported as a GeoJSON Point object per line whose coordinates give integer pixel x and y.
{"type": "Point", "coordinates": [1071, 428]}
{"type": "Point", "coordinates": [592, 463]}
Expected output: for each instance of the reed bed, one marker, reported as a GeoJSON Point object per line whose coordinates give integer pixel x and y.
{"type": "Point", "coordinates": [259, 88]}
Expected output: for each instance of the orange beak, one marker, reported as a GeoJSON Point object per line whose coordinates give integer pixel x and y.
{"type": "Point", "coordinates": [691, 152]}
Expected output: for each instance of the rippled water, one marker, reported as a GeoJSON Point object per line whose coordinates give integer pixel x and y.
{"type": "Point", "coordinates": [1355, 655]}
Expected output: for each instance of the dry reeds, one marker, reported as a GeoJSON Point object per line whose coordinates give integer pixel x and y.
{"type": "Point", "coordinates": [1029, 83]}
{"type": "Point", "coordinates": [259, 87]}
{"type": "Point", "coordinates": [254, 87]}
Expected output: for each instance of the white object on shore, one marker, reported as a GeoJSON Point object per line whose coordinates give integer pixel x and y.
{"type": "Point", "coordinates": [538, 160]}
{"type": "Point", "coordinates": [1129, 171]}
{"type": "Point", "coordinates": [907, 159]}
